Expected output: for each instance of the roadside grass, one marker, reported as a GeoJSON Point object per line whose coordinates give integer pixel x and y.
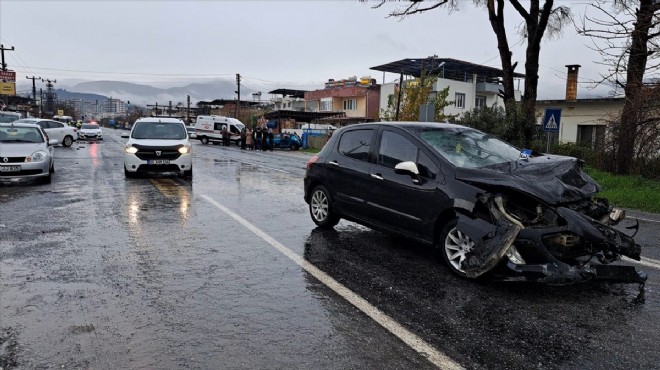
{"type": "Point", "coordinates": [628, 191]}
{"type": "Point", "coordinates": [310, 150]}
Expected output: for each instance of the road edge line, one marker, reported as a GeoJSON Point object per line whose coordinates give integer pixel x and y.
{"type": "Point", "coordinates": [433, 355]}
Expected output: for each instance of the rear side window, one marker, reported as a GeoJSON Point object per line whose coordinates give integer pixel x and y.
{"type": "Point", "coordinates": [395, 149]}
{"type": "Point", "coordinates": [356, 144]}
{"type": "Point", "coordinates": [53, 124]}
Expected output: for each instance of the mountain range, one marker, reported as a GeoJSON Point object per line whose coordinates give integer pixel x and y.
{"type": "Point", "coordinates": [142, 94]}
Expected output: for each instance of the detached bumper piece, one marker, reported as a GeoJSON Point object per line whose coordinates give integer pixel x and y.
{"type": "Point", "coordinates": [561, 274]}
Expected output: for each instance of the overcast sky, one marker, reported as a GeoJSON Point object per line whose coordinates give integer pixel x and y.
{"type": "Point", "coordinates": [272, 44]}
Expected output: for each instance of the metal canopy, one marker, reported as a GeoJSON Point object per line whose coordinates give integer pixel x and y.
{"type": "Point", "coordinates": [289, 92]}
{"type": "Point", "coordinates": [453, 69]}
{"type": "Point", "coordinates": [301, 116]}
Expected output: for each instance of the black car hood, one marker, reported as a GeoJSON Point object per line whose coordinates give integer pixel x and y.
{"type": "Point", "coordinates": [551, 178]}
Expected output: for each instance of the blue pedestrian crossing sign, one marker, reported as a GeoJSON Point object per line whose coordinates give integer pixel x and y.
{"type": "Point", "coordinates": [552, 119]}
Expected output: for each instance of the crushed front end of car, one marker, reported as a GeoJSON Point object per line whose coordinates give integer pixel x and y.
{"type": "Point", "coordinates": [544, 224]}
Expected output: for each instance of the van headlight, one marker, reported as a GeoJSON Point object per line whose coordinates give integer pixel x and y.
{"type": "Point", "coordinates": [131, 149]}
{"type": "Point", "coordinates": [185, 149]}
{"type": "Point", "coordinates": [37, 156]}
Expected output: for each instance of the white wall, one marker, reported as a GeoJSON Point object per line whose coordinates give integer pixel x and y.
{"type": "Point", "coordinates": [573, 114]}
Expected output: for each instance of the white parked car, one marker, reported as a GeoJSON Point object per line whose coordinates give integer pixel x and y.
{"type": "Point", "coordinates": [25, 152]}
{"type": "Point", "coordinates": [65, 135]}
{"type": "Point", "coordinates": [158, 144]}
{"type": "Point", "coordinates": [90, 131]}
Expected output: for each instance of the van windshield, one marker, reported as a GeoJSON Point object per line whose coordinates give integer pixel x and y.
{"type": "Point", "coordinates": [159, 130]}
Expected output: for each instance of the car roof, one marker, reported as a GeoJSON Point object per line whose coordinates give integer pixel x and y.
{"type": "Point", "coordinates": [19, 124]}
{"type": "Point", "coordinates": [411, 125]}
{"type": "Point", "coordinates": [159, 119]}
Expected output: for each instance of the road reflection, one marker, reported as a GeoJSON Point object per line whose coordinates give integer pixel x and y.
{"type": "Point", "coordinates": [144, 204]}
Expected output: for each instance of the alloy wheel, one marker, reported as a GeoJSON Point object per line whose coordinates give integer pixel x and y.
{"type": "Point", "coordinates": [457, 245]}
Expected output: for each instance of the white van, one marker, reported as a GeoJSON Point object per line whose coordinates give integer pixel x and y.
{"type": "Point", "coordinates": [209, 128]}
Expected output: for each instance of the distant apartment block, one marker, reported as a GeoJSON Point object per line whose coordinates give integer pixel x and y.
{"type": "Point", "coordinates": [114, 106]}
{"type": "Point", "coordinates": [357, 99]}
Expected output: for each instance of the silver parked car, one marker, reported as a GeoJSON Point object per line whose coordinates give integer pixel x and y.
{"type": "Point", "coordinates": [25, 152]}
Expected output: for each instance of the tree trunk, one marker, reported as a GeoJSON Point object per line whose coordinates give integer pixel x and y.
{"type": "Point", "coordinates": [496, 17]}
{"type": "Point", "coordinates": [627, 130]}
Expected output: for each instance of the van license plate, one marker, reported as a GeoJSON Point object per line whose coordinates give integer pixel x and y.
{"type": "Point", "coordinates": [159, 161]}
{"type": "Point", "coordinates": [10, 168]}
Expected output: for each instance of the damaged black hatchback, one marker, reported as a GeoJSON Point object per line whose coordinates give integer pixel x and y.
{"type": "Point", "coordinates": [487, 206]}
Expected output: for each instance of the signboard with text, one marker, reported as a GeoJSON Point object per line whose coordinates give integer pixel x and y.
{"type": "Point", "coordinates": [7, 88]}
{"type": "Point", "coordinates": [8, 76]}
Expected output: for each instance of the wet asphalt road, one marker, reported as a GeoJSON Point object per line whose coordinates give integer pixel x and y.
{"type": "Point", "coordinates": [101, 272]}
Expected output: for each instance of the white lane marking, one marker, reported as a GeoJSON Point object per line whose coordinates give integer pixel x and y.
{"type": "Point", "coordinates": [645, 219]}
{"type": "Point", "coordinates": [436, 357]}
{"type": "Point", "coordinates": [649, 262]}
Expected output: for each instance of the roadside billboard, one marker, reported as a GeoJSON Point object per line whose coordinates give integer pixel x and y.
{"type": "Point", "coordinates": [8, 76]}
{"type": "Point", "coordinates": [7, 88]}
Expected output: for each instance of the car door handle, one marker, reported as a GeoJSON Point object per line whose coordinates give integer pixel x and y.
{"type": "Point", "coordinates": [376, 176]}
{"type": "Point", "coordinates": [334, 163]}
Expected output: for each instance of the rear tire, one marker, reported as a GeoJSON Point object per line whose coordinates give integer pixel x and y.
{"type": "Point", "coordinates": [68, 141]}
{"type": "Point", "coordinates": [320, 208]}
{"type": "Point", "coordinates": [204, 140]}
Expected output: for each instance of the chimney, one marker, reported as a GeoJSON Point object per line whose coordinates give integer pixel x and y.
{"type": "Point", "coordinates": [571, 82]}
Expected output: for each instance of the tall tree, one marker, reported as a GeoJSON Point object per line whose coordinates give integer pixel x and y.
{"type": "Point", "coordinates": [626, 35]}
{"type": "Point", "coordinates": [538, 22]}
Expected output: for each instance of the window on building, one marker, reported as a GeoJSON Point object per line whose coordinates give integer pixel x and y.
{"type": "Point", "coordinates": [592, 136]}
{"type": "Point", "coordinates": [459, 100]}
{"type": "Point", "coordinates": [326, 105]}
{"type": "Point", "coordinates": [350, 104]}
{"type": "Point", "coordinates": [480, 101]}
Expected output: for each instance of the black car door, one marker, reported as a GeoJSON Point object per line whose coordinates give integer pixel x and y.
{"type": "Point", "coordinates": [347, 171]}
{"type": "Point", "coordinates": [401, 201]}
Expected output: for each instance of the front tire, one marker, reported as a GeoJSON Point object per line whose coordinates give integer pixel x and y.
{"type": "Point", "coordinates": [188, 174]}
{"type": "Point", "coordinates": [68, 141]}
{"type": "Point", "coordinates": [128, 174]}
{"type": "Point", "coordinates": [453, 245]}
{"type": "Point", "coordinates": [204, 140]}
{"type": "Point", "coordinates": [320, 208]}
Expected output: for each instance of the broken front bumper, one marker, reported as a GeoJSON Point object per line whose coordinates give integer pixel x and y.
{"type": "Point", "coordinates": [540, 249]}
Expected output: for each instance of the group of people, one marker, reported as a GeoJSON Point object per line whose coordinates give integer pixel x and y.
{"type": "Point", "coordinates": [258, 139]}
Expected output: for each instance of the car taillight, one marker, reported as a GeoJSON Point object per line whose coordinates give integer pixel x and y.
{"type": "Point", "coordinates": [312, 160]}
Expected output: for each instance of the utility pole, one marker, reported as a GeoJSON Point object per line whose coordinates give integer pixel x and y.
{"type": "Point", "coordinates": [5, 98]}
{"type": "Point", "coordinates": [50, 96]}
{"type": "Point", "coordinates": [41, 102]}
{"type": "Point", "coordinates": [169, 110]}
{"type": "Point", "coordinates": [34, 89]}
{"type": "Point", "coordinates": [188, 115]}
{"type": "Point", "coordinates": [151, 105]}
{"type": "Point", "coordinates": [238, 104]}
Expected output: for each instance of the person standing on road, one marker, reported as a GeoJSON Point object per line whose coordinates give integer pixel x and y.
{"type": "Point", "coordinates": [271, 136]}
{"type": "Point", "coordinates": [264, 136]}
{"type": "Point", "coordinates": [249, 139]}
{"type": "Point", "coordinates": [225, 136]}
{"type": "Point", "coordinates": [243, 138]}
{"type": "Point", "coordinates": [258, 137]}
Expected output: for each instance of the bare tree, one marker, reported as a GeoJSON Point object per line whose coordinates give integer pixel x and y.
{"type": "Point", "coordinates": [626, 35]}
{"type": "Point", "coordinates": [538, 21]}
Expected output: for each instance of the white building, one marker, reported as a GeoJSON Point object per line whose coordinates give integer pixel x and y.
{"type": "Point", "coordinates": [114, 106]}
{"type": "Point", "coordinates": [470, 85]}
{"type": "Point", "coordinates": [582, 120]}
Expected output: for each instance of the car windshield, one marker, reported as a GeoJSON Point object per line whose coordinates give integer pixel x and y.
{"type": "Point", "coordinates": [20, 135]}
{"type": "Point", "coordinates": [90, 127]}
{"type": "Point", "coordinates": [469, 148]}
{"type": "Point", "coordinates": [159, 130]}
{"type": "Point", "coordinates": [6, 118]}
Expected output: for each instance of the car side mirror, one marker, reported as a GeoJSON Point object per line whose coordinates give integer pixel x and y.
{"type": "Point", "coordinates": [408, 168]}
{"type": "Point", "coordinates": [53, 142]}
{"type": "Point", "coordinates": [124, 136]}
